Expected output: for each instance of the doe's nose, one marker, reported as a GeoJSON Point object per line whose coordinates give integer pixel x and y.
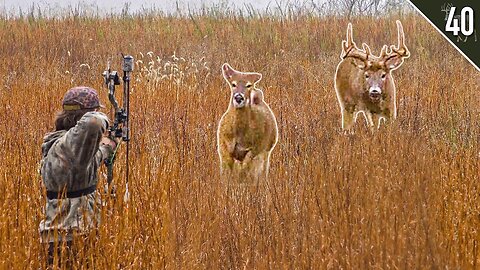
{"type": "Point", "coordinates": [239, 98]}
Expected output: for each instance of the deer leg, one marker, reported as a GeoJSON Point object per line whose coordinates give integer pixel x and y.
{"type": "Point", "coordinates": [226, 167]}
{"type": "Point", "coordinates": [369, 117]}
{"type": "Point", "coordinates": [266, 165]}
{"type": "Point", "coordinates": [227, 163]}
{"type": "Point", "coordinates": [262, 166]}
{"type": "Point", "coordinates": [386, 116]}
{"type": "Point", "coordinates": [347, 120]}
{"type": "Point", "coordinates": [263, 185]}
{"type": "Point", "coordinates": [263, 182]}
{"type": "Point", "coordinates": [382, 118]}
{"type": "Point", "coordinates": [374, 121]}
{"type": "Point", "coordinates": [254, 169]}
{"type": "Point", "coordinates": [251, 169]}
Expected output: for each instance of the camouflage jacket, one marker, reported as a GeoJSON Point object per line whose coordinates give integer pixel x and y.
{"type": "Point", "coordinates": [70, 162]}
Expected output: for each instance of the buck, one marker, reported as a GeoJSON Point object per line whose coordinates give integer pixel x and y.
{"type": "Point", "coordinates": [364, 82]}
{"type": "Point", "coordinates": [247, 131]}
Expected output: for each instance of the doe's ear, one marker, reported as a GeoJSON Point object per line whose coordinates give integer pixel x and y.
{"type": "Point", "coordinates": [256, 96]}
{"type": "Point", "coordinates": [227, 72]}
{"type": "Point", "coordinates": [254, 77]}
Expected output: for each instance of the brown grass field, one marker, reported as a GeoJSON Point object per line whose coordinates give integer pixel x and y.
{"type": "Point", "coordinates": [405, 197]}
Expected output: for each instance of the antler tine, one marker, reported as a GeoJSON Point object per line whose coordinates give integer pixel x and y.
{"type": "Point", "coordinates": [366, 48]}
{"type": "Point", "coordinates": [401, 35]}
{"type": "Point", "coordinates": [351, 49]}
{"type": "Point", "coordinates": [384, 52]}
{"type": "Point", "coordinates": [348, 45]}
{"type": "Point", "coordinates": [350, 35]}
{"type": "Point", "coordinates": [344, 47]}
{"type": "Point", "coordinates": [401, 49]}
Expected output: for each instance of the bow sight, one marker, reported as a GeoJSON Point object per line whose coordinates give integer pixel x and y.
{"type": "Point", "coordinates": [120, 127]}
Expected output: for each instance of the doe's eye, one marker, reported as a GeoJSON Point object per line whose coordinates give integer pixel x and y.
{"type": "Point", "coordinates": [367, 76]}
{"type": "Point", "coordinates": [384, 75]}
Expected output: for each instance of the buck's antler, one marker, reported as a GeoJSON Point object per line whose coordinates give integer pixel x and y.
{"type": "Point", "coordinates": [350, 49]}
{"type": "Point", "coordinates": [401, 51]}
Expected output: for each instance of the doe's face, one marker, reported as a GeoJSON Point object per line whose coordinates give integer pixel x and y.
{"type": "Point", "coordinates": [241, 92]}
{"type": "Point", "coordinates": [241, 85]}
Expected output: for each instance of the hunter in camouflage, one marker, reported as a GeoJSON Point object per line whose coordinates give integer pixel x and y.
{"type": "Point", "coordinates": [71, 157]}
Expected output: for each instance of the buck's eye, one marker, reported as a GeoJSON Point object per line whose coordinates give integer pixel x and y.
{"type": "Point", "coordinates": [384, 75]}
{"type": "Point", "coordinates": [234, 84]}
{"type": "Point", "coordinates": [248, 85]}
{"type": "Point", "coordinates": [367, 76]}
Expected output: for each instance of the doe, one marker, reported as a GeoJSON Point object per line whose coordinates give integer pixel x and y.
{"type": "Point", "coordinates": [247, 131]}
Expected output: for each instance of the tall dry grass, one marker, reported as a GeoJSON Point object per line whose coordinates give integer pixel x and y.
{"type": "Point", "coordinates": [405, 197]}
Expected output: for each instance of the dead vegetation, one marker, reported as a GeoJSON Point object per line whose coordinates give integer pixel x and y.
{"type": "Point", "coordinates": [405, 197]}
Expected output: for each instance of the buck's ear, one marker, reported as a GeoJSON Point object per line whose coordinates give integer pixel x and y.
{"type": "Point", "coordinates": [360, 64]}
{"type": "Point", "coordinates": [227, 72]}
{"type": "Point", "coordinates": [394, 63]}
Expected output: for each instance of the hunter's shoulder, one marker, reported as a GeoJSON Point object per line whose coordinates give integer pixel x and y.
{"type": "Point", "coordinates": [49, 140]}
{"type": "Point", "coordinates": [95, 115]}
{"type": "Point", "coordinates": [54, 135]}
{"type": "Point", "coordinates": [94, 120]}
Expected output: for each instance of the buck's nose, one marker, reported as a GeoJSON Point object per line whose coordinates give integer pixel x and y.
{"type": "Point", "coordinates": [375, 90]}
{"type": "Point", "coordinates": [239, 98]}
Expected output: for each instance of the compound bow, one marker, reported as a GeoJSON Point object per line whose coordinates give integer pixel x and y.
{"type": "Point", "coordinates": [120, 127]}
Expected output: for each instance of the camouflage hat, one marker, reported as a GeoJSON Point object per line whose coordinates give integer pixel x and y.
{"type": "Point", "coordinates": [81, 97]}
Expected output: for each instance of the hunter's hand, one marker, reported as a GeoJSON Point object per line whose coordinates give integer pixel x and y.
{"type": "Point", "coordinates": [107, 141]}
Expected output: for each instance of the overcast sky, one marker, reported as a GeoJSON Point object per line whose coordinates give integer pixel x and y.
{"type": "Point", "coordinates": [108, 6]}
